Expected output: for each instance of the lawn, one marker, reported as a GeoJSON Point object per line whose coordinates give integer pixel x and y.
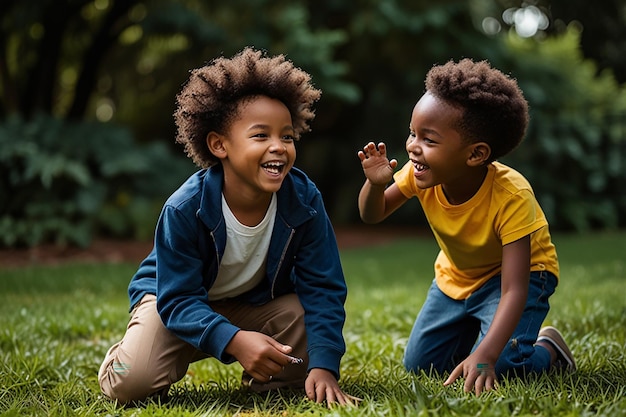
{"type": "Point", "coordinates": [57, 323]}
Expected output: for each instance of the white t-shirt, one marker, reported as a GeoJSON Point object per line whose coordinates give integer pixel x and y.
{"type": "Point", "coordinates": [243, 264]}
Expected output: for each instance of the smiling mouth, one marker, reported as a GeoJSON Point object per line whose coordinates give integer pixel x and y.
{"type": "Point", "coordinates": [420, 167]}
{"type": "Point", "coordinates": [274, 168]}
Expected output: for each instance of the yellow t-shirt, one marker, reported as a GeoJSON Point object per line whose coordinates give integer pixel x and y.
{"type": "Point", "coordinates": [471, 235]}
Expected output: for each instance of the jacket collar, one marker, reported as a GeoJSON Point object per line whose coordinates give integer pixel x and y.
{"type": "Point", "coordinates": [291, 207]}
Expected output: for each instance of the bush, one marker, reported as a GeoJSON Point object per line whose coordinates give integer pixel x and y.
{"type": "Point", "coordinates": [575, 150]}
{"type": "Point", "coordinates": [65, 182]}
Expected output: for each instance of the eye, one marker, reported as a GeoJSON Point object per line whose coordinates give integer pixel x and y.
{"type": "Point", "coordinates": [411, 133]}
{"type": "Point", "coordinates": [289, 138]}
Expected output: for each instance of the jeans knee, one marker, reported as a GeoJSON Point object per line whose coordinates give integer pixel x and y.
{"type": "Point", "coordinates": [409, 365]}
{"type": "Point", "coordinates": [412, 364]}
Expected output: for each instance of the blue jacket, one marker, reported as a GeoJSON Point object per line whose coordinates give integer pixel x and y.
{"type": "Point", "coordinates": [302, 258]}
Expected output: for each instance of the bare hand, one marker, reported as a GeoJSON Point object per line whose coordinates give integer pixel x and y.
{"type": "Point", "coordinates": [322, 385]}
{"type": "Point", "coordinates": [478, 373]}
{"type": "Point", "coordinates": [378, 169]}
{"type": "Point", "coordinates": [260, 356]}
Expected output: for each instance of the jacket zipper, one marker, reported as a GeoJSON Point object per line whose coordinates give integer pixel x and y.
{"type": "Point", "coordinates": [280, 262]}
{"type": "Point", "coordinates": [217, 252]}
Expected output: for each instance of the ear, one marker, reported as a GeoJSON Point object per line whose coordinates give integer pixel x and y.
{"type": "Point", "coordinates": [480, 153]}
{"type": "Point", "coordinates": [215, 143]}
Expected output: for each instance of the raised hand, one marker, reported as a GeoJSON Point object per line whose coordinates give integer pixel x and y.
{"type": "Point", "coordinates": [378, 169]}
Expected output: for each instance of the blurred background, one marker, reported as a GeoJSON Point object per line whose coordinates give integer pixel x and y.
{"type": "Point", "coordinates": [87, 91]}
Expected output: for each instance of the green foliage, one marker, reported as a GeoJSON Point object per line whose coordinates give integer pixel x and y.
{"type": "Point", "coordinates": [58, 323]}
{"type": "Point", "coordinates": [62, 182]}
{"type": "Point", "coordinates": [369, 57]}
{"type": "Point", "coordinates": [575, 151]}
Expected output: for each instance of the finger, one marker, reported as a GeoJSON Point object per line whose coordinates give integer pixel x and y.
{"type": "Point", "coordinates": [279, 346]}
{"type": "Point", "coordinates": [347, 399]}
{"type": "Point", "coordinates": [355, 400]}
{"type": "Point", "coordinates": [470, 382]}
{"type": "Point", "coordinates": [331, 398]}
{"type": "Point", "coordinates": [266, 371]}
{"type": "Point", "coordinates": [479, 383]}
{"type": "Point", "coordinates": [280, 357]}
{"type": "Point", "coordinates": [484, 382]}
{"type": "Point", "coordinates": [454, 375]}
{"type": "Point", "coordinates": [309, 388]}
{"type": "Point", "coordinates": [259, 377]}
{"type": "Point", "coordinates": [393, 163]}
{"type": "Point", "coordinates": [320, 393]}
{"type": "Point", "coordinates": [341, 397]}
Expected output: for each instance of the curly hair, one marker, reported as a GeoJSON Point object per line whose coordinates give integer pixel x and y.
{"type": "Point", "coordinates": [493, 106]}
{"type": "Point", "coordinates": [209, 100]}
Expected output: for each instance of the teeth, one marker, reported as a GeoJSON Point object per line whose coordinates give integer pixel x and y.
{"type": "Point", "coordinates": [273, 167]}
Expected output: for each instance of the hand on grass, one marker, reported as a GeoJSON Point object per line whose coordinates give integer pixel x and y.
{"type": "Point", "coordinates": [479, 374]}
{"type": "Point", "coordinates": [376, 167]}
{"type": "Point", "coordinates": [322, 385]}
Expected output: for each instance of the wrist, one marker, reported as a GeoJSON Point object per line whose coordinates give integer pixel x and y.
{"type": "Point", "coordinates": [376, 186]}
{"type": "Point", "coordinates": [231, 347]}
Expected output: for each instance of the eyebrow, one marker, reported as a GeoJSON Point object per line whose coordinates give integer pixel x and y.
{"type": "Point", "coordinates": [431, 132]}
{"type": "Point", "coordinates": [426, 130]}
{"type": "Point", "coordinates": [262, 126]}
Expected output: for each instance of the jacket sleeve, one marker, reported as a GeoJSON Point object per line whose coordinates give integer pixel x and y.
{"type": "Point", "coordinates": [321, 288]}
{"type": "Point", "coordinates": [182, 299]}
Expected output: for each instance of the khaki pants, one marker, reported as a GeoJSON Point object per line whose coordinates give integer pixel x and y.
{"type": "Point", "coordinates": [150, 358]}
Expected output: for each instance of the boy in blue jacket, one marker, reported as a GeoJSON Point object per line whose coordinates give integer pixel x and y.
{"type": "Point", "coordinates": [245, 265]}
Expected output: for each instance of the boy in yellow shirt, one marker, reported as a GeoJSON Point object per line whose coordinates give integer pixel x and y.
{"type": "Point", "coordinates": [497, 265]}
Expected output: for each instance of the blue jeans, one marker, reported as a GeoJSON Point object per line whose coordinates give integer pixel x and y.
{"type": "Point", "coordinates": [446, 331]}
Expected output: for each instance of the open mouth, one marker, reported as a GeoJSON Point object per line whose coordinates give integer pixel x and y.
{"type": "Point", "coordinates": [420, 167]}
{"type": "Point", "coordinates": [274, 168]}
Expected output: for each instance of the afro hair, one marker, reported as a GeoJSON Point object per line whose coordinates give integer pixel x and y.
{"type": "Point", "coordinates": [209, 100]}
{"type": "Point", "coordinates": [493, 106]}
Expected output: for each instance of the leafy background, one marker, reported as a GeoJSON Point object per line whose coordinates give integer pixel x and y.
{"type": "Point", "coordinates": [87, 91]}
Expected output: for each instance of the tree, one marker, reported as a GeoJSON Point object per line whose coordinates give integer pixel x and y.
{"type": "Point", "coordinates": [603, 25]}
{"type": "Point", "coordinates": [603, 36]}
{"type": "Point", "coordinates": [42, 38]}
{"type": "Point", "coordinates": [122, 62]}
{"type": "Point", "coordinates": [56, 57]}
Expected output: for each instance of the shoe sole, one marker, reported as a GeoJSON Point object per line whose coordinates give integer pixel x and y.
{"type": "Point", "coordinates": [553, 336]}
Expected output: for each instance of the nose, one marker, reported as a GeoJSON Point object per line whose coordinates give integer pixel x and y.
{"type": "Point", "coordinates": [411, 145]}
{"type": "Point", "coordinates": [278, 146]}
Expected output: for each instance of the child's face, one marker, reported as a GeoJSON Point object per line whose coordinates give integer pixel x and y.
{"type": "Point", "coordinates": [435, 147]}
{"type": "Point", "coordinates": [259, 147]}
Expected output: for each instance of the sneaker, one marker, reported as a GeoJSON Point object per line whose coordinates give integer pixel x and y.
{"type": "Point", "coordinates": [564, 358]}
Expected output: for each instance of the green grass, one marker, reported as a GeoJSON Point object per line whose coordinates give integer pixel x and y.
{"type": "Point", "coordinates": [57, 323]}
